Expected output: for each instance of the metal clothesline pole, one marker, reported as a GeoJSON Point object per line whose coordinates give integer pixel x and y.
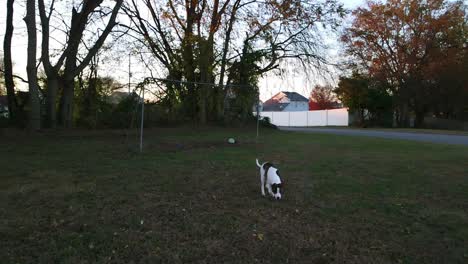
{"type": "Point", "coordinates": [129, 72]}
{"type": "Point", "coordinates": [142, 119]}
{"type": "Point", "coordinates": [258, 117]}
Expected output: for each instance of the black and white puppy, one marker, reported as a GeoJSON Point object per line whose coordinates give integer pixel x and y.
{"type": "Point", "coordinates": [270, 178]}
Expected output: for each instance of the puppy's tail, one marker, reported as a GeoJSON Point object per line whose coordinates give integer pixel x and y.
{"type": "Point", "coordinates": [258, 164]}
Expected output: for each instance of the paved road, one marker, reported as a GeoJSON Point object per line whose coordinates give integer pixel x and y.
{"type": "Point", "coordinates": [435, 138]}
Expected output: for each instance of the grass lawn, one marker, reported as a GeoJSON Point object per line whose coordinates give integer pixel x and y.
{"type": "Point", "coordinates": [88, 197]}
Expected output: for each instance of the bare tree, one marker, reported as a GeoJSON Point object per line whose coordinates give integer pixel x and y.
{"type": "Point", "coordinates": [200, 40]}
{"type": "Point", "coordinates": [34, 104]}
{"type": "Point", "coordinates": [7, 63]}
{"type": "Point", "coordinates": [68, 60]}
{"type": "Point", "coordinates": [51, 71]}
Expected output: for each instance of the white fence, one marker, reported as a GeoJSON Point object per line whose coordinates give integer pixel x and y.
{"type": "Point", "coordinates": [333, 117]}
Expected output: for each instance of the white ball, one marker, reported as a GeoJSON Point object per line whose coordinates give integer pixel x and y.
{"type": "Point", "coordinates": [231, 140]}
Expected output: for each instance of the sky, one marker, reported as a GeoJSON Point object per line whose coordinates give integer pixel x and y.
{"type": "Point", "coordinates": [299, 81]}
{"type": "Point", "coordinates": [291, 80]}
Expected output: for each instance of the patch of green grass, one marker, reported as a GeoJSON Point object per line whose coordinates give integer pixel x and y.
{"type": "Point", "coordinates": [90, 197]}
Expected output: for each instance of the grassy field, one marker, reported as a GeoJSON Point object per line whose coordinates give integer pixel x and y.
{"type": "Point", "coordinates": [89, 197]}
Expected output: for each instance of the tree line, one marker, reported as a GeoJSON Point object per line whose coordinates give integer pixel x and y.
{"type": "Point", "coordinates": [403, 58]}
{"type": "Point", "coordinates": [408, 59]}
{"type": "Point", "coordinates": [226, 44]}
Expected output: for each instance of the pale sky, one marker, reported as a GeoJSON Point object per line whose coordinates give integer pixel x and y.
{"type": "Point", "coordinates": [300, 82]}
{"type": "Point", "coordinates": [292, 79]}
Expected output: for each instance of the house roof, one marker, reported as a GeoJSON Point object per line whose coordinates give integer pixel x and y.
{"type": "Point", "coordinates": [117, 96]}
{"type": "Point", "coordinates": [293, 96]}
{"type": "Point", "coordinates": [276, 102]}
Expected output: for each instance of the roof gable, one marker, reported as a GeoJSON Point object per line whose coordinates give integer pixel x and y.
{"type": "Point", "coordinates": [286, 97]}
{"type": "Point", "coordinates": [295, 97]}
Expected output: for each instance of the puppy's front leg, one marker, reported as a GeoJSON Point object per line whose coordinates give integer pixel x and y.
{"type": "Point", "coordinates": [269, 190]}
{"type": "Point", "coordinates": [262, 185]}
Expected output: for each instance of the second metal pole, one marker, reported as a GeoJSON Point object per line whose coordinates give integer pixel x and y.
{"type": "Point", "coordinates": [142, 119]}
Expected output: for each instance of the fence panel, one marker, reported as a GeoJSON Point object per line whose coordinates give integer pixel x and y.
{"type": "Point", "coordinates": [338, 117]}
{"type": "Point", "coordinates": [298, 118]}
{"type": "Point", "coordinates": [267, 114]}
{"type": "Point", "coordinates": [334, 117]}
{"type": "Point", "coordinates": [317, 118]}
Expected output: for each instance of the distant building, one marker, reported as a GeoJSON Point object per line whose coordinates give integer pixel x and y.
{"type": "Point", "coordinates": [117, 97]}
{"type": "Point", "coordinates": [287, 102]}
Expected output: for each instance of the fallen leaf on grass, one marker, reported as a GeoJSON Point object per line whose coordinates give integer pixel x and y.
{"type": "Point", "coordinates": [259, 236]}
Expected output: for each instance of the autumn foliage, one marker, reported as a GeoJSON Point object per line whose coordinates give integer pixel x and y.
{"type": "Point", "coordinates": [416, 47]}
{"type": "Point", "coordinates": [322, 98]}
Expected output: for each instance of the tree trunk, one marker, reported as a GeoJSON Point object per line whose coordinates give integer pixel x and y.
{"type": "Point", "coordinates": [219, 102]}
{"type": "Point", "coordinates": [419, 120]}
{"type": "Point", "coordinates": [88, 107]}
{"type": "Point", "coordinates": [66, 103]}
{"type": "Point", "coordinates": [202, 104]}
{"type": "Point", "coordinates": [51, 99]}
{"type": "Point", "coordinates": [202, 89]}
{"type": "Point", "coordinates": [215, 92]}
{"type": "Point", "coordinates": [187, 57]}
{"type": "Point", "coordinates": [222, 90]}
{"type": "Point", "coordinates": [50, 71]}
{"type": "Point", "coordinates": [404, 115]}
{"type": "Point", "coordinates": [206, 91]}
{"type": "Point", "coordinates": [34, 104]}
{"type": "Point", "coordinates": [189, 69]}
{"type": "Point", "coordinates": [361, 117]}
{"type": "Point", "coordinates": [9, 83]}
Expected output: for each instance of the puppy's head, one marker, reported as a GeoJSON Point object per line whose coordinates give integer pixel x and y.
{"type": "Point", "coordinates": [277, 189]}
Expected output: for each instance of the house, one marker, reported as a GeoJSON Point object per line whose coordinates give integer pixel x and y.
{"type": "Point", "coordinates": [287, 102]}
{"type": "Point", "coordinates": [118, 96]}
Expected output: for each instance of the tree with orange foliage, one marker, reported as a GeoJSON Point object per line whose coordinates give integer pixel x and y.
{"type": "Point", "coordinates": [322, 98]}
{"type": "Point", "coordinates": [406, 44]}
